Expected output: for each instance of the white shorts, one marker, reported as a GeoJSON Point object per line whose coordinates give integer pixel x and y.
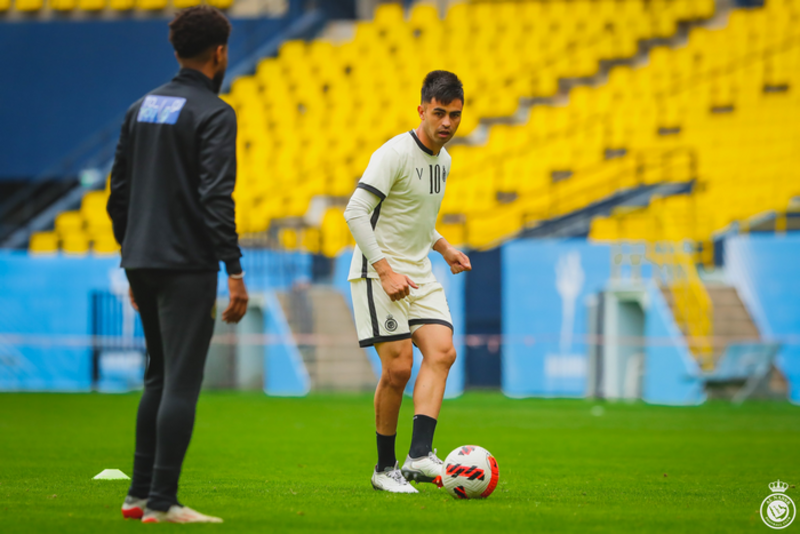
{"type": "Point", "coordinates": [378, 319]}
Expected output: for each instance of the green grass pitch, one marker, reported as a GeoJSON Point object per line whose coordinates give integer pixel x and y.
{"type": "Point", "coordinates": [303, 465]}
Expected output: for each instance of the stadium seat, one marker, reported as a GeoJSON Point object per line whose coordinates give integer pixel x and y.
{"type": "Point", "coordinates": [121, 5]}
{"type": "Point", "coordinates": [92, 5]}
{"type": "Point", "coordinates": [68, 222]}
{"type": "Point", "coordinates": [5, 5]}
{"type": "Point", "coordinates": [44, 243]}
{"type": "Point", "coordinates": [151, 5]}
{"type": "Point", "coordinates": [104, 244]}
{"type": "Point", "coordinates": [75, 243]}
{"type": "Point", "coordinates": [63, 5]}
{"type": "Point", "coordinates": [220, 4]}
{"type": "Point", "coordinates": [29, 5]}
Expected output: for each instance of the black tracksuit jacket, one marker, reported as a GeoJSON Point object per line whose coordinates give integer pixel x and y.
{"type": "Point", "coordinates": [173, 176]}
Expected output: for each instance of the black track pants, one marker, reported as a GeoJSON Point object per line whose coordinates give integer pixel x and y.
{"type": "Point", "coordinates": [177, 311]}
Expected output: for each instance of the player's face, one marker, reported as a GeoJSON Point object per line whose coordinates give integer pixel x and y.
{"type": "Point", "coordinates": [440, 121]}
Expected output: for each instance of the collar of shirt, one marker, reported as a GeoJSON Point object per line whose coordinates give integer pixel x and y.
{"type": "Point", "coordinates": [194, 77]}
{"type": "Point", "coordinates": [421, 146]}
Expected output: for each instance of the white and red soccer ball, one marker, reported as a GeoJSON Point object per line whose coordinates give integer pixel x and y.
{"type": "Point", "coordinates": [470, 472]}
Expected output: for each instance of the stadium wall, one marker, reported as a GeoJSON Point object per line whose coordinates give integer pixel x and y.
{"type": "Point", "coordinates": [66, 82]}
{"type": "Point", "coordinates": [672, 375]}
{"type": "Point", "coordinates": [547, 288]}
{"type": "Point", "coordinates": [46, 321]}
{"type": "Point", "coordinates": [764, 270]}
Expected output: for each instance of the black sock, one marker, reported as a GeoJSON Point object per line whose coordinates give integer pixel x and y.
{"type": "Point", "coordinates": [386, 457]}
{"type": "Point", "coordinates": [422, 438]}
{"type": "Point", "coordinates": [142, 476]}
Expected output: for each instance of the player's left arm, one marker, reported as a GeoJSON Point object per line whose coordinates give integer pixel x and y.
{"type": "Point", "coordinates": [457, 260]}
{"type": "Point", "coordinates": [119, 181]}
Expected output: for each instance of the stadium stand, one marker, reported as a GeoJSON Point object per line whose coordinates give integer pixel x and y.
{"type": "Point", "coordinates": [718, 110]}
{"type": "Point", "coordinates": [65, 7]}
{"type": "Point", "coordinates": [483, 46]}
{"type": "Point", "coordinates": [739, 113]}
{"type": "Point", "coordinates": [377, 73]}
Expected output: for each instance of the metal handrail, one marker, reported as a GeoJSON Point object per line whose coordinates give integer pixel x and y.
{"type": "Point", "coordinates": [694, 311]}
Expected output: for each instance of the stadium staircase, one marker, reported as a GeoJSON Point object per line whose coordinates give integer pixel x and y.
{"type": "Point", "coordinates": [732, 323]}
{"type": "Point", "coordinates": [321, 322]}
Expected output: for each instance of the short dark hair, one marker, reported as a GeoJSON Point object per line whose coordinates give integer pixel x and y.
{"type": "Point", "coordinates": [442, 85]}
{"type": "Point", "coordinates": [196, 29]}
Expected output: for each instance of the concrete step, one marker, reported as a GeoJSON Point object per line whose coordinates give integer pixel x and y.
{"type": "Point", "coordinates": [732, 321]}
{"type": "Point", "coordinates": [724, 296]}
{"type": "Point", "coordinates": [334, 360]}
{"type": "Point", "coordinates": [341, 364]}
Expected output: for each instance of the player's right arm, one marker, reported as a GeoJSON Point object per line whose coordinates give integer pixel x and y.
{"type": "Point", "coordinates": [371, 191]}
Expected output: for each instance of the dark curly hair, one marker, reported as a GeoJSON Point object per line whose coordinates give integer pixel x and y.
{"type": "Point", "coordinates": [195, 30]}
{"type": "Point", "coordinates": [442, 85]}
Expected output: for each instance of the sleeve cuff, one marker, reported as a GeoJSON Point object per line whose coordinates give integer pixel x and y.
{"type": "Point", "coordinates": [233, 266]}
{"type": "Point", "coordinates": [436, 237]}
{"type": "Point", "coordinates": [374, 190]}
{"type": "Point", "coordinates": [376, 259]}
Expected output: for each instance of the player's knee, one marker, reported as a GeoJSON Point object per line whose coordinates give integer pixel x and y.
{"type": "Point", "coordinates": [447, 357]}
{"type": "Point", "coordinates": [398, 372]}
{"type": "Point", "coordinates": [399, 375]}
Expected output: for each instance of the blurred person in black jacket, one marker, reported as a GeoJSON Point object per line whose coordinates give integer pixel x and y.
{"type": "Point", "coordinates": [172, 211]}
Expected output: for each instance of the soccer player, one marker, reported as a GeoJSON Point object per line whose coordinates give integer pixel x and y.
{"type": "Point", "coordinates": [173, 214]}
{"type": "Point", "coordinates": [397, 300]}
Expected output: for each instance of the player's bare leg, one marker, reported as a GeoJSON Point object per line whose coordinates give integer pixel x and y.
{"type": "Point", "coordinates": [397, 359]}
{"type": "Point", "coordinates": [438, 355]}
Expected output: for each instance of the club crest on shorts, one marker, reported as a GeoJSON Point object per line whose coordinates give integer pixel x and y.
{"type": "Point", "coordinates": [778, 510]}
{"type": "Point", "coordinates": [390, 324]}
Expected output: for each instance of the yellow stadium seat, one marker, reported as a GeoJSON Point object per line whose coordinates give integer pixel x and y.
{"type": "Point", "coordinates": [63, 5]}
{"type": "Point", "coordinates": [93, 205]}
{"type": "Point", "coordinates": [5, 5]}
{"type": "Point", "coordinates": [121, 5]}
{"type": "Point", "coordinates": [335, 232]}
{"type": "Point", "coordinates": [68, 222]}
{"type": "Point", "coordinates": [29, 5]}
{"type": "Point", "coordinates": [105, 244]}
{"type": "Point", "coordinates": [311, 241]}
{"type": "Point", "coordinates": [92, 5]}
{"type": "Point", "coordinates": [182, 4]}
{"type": "Point", "coordinates": [220, 4]}
{"type": "Point", "coordinates": [388, 15]}
{"type": "Point", "coordinates": [151, 5]}
{"type": "Point", "coordinates": [423, 16]}
{"type": "Point", "coordinates": [44, 243]}
{"type": "Point", "coordinates": [75, 243]}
